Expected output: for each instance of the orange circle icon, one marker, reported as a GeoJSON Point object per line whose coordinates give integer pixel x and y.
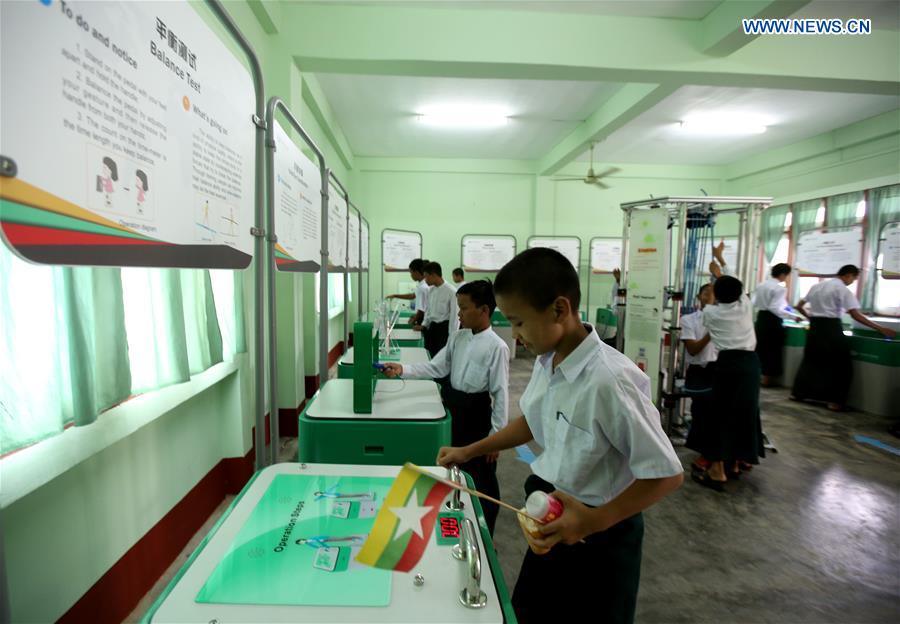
{"type": "Point", "coordinates": [186, 103]}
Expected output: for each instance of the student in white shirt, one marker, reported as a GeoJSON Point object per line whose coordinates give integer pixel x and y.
{"type": "Point", "coordinates": [440, 311]}
{"type": "Point", "coordinates": [420, 296]}
{"type": "Point", "coordinates": [605, 455]}
{"type": "Point", "coordinates": [700, 356]}
{"type": "Point", "coordinates": [459, 277]}
{"type": "Point", "coordinates": [827, 369]}
{"type": "Point", "coordinates": [770, 300]}
{"type": "Point", "coordinates": [477, 361]}
{"type": "Point", "coordinates": [735, 432]}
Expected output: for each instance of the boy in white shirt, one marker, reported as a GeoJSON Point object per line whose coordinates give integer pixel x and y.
{"type": "Point", "coordinates": [440, 311]}
{"type": "Point", "coordinates": [420, 296]}
{"type": "Point", "coordinates": [459, 277]}
{"type": "Point", "coordinates": [700, 356]}
{"type": "Point", "coordinates": [605, 455]}
{"type": "Point", "coordinates": [735, 432]}
{"type": "Point", "coordinates": [477, 362]}
{"type": "Point", "coordinates": [827, 368]}
{"type": "Point", "coordinates": [770, 300]}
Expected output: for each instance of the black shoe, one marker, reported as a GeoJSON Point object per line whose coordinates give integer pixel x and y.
{"type": "Point", "coordinates": [706, 481]}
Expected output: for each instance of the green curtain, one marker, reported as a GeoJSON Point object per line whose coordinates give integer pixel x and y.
{"type": "Point", "coordinates": [772, 229]}
{"type": "Point", "coordinates": [841, 209]}
{"type": "Point", "coordinates": [884, 208]}
{"type": "Point", "coordinates": [804, 216]}
{"type": "Point", "coordinates": [202, 335]}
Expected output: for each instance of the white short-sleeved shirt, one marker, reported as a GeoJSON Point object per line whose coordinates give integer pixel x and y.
{"type": "Point", "coordinates": [831, 299]}
{"type": "Point", "coordinates": [730, 325]}
{"type": "Point", "coordinates": [475, 363]}
{"type": "Point", "coordinates": [441, 306]}
{"type": "Point", "coordinates": [692, 328]}
{"type": "Point", "coordinates": [595, 420]}
{"type": "Point", "coordinates": [422, 296]}
{"type": "Point", "coordinates": [771, 296]}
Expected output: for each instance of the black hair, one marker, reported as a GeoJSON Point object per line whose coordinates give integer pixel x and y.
{"type": "Point", "coordinates": [481, 292]}
{"type": "Point", "coordinates": [417, 265]}
{"type": "Point", "coordinates": [848, 269]}
{"type": "Point", "coordinates": [434, 268]}
{"type": "Point", "coordinates": [539, 275]}
{"type": "Point", "coordinates": [113, 170]}
{"type": "Point", "coordinates": [703, 289]}
{"type": "Point", "coordinates": [782, 268]}
{"type": "Point", "coordinates": [459, 271]}
{"type": "Point", "coordinates": [143, 176]}
{"type": "Point", "coordinates": [728, 289]}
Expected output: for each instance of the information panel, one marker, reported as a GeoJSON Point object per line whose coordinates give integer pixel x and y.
{"type": "Point", "coordinates": [299, 545]}
{"type": "Point", "coordinates": [364, 261]}
{"type": "Point", "coordinates": [399, 248]}
{"type": "Point", "coordinates": [648, 256]}
{"type": "Point", "coordinates": [129, 124]}
{"type": "Point", "coordinates": [730, 254]}
{"type": "Point", "coordinates": [298, 207]}
{"type": "Point", "coordinates": [485, 253]}
{"type": "Point", "coordinates": [606, 255]}
{"type": "Point", "coordinates": [353, 241]}
{"type": "Point", "coordinates": [569, 246]}
{"type": "Point", "coordinates": [890, 247]}
{"type": "Point", "coordinates": [823, 253]}
{"type": "Point", "coordinates": [337, 231]}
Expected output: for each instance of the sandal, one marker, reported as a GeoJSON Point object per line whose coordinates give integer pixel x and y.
{"type": "Point", "coordinates": [707, 481]}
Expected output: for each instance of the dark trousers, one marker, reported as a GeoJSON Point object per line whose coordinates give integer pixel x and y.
{"type": "Point", "coordinates": [735, 429]}
{"type": "Point", "coordinates": [827, 368]}
{"type": "Point", "coordinates": [471, 421]}
{"type": "Point", "coordinates": [596, 581]}
{"type": "Point", "coordinates": [435, 336]}
{"type": "Point", "coordinates": [698, 386]}
{"type": "Point", "coordinates": [770, 343]}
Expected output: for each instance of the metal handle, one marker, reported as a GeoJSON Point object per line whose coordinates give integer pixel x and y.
{"type": "Point", "coordinates": [471, 596]}
{"type": "Point", "coordinates": [455, 474]}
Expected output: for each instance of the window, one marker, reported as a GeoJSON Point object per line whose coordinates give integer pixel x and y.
{"type": "Point", "coordinates": [820, 215]}
{"type": "Point", "coordinates": [861, 210]}
{"type": "Point", "coordinates": [887, 290]}
{"type": "Point", "coordinates": [335, 294]}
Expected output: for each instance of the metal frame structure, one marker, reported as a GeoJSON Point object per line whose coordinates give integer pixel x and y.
{"type": "Point", "coordinates": [364, 263]}
{"type": "Point", "coordinates": [276, 104]}
{"type": "Point", "coordinates": [749, 210]}
{"type": "Point", "coordinates": [462, 242]}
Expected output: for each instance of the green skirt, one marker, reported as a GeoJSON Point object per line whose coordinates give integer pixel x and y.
{"type": "Point", "coordinates": [734, 427]}
{"type": "Point", "coordinates": [827, 368]}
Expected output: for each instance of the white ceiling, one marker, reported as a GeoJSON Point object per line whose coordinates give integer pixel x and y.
{"type": "Point", "coordinates": [378, 114]}
{"type": "Point", "coordinates": [679, 9]}
{"type": "Point", "coordinates": [654, 136]}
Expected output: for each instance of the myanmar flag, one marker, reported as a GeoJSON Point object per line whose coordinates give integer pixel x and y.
{"type": "Point", "coordinates": [405, 521]}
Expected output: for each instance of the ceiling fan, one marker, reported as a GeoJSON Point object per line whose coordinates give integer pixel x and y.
{"type": "Point", "coordinates": [591, 177]}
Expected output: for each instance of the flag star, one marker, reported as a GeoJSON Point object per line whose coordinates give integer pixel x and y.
{"type": "Point", "coordinates": [410, 517]}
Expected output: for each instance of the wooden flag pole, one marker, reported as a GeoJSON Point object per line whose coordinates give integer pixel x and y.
{"type": "Point", "coordinates": [457, 486]}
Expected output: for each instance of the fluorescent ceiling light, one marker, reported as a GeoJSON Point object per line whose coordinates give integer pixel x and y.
{"type": "Point", "coordinates": [464, 116]}
{"type": "Point", "coordinates": [723, 125]}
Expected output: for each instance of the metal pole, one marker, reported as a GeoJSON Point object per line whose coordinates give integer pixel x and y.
{"type": "Point", "coordinates": [323, 285]}
{"type": "Point", "coordinates": [276, 103]}
{"type": "Point", "coordinates": [620, 301]}
{"type": "Point", "coordinates": [258, 232]}
{"type": "Point", "coordinates": [739, 269]}
{"type": "Point", "coordinates": [675, 323]}
{"type": "Point", "coordinates": [346, 339]}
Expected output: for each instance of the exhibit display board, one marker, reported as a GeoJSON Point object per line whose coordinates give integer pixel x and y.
{"type": "Point", "coordinates": [129, 124]}
{"type": "Point", "coordinates": [730, 254]}
{"type": "Point", "coordinates": [606, 255]}
{"type": "Point", "coordinates": [337, 231]}
{"type": "Point", "coordinates": [648, 268]}
{"type": "Point", "coordinates": [823, 253]}
{"type": "Point", "coordinates": [399, 248]}
{"type": "Point", "coordinates": [353, 241]}
{"type": "Point", "coordinates": [486, 253]}
{"type": "Point", "coordinates": [298, 207]}
{"type": "Point", "coordinates": [890, 248]}
{"type": "Point", "coordinates": [569, 246]}
{"type": "Point", "coordinates": [364, 233]}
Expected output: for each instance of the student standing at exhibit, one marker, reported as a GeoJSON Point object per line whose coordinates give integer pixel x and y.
{"type": "Point", "coordinates": [770, 300]}
{"type": "Point", "coordinates": [440, 310]}
{"type": "Point", "coordinates": [420, 296]}
{"type": "Point", "coordinates": [827, 368]}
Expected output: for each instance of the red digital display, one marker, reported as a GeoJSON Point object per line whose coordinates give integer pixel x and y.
{"type": "Point", "coordinates": [449, 527]}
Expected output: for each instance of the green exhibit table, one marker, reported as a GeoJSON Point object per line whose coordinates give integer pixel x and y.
{"type": "Point", "coordinates": [406, 356]}
{"type": "Point", "coordinates": [502, 328]}
{"type": "Point", "coordinates": [408, 422]}
{"type": "Point", "coordinates": [876, 368]}
{"type": "Point", "coordinates": [285, 550]}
